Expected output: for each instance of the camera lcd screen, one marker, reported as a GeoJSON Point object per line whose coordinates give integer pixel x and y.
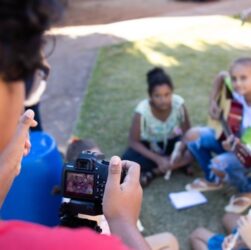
{"type": "Point", "coordinates": [79, 183]}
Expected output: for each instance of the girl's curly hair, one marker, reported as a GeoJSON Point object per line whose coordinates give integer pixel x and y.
{"type": "Point", "coordinates": [157, 76]}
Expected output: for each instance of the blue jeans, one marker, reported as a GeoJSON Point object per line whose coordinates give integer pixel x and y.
{"type": "Point", "coordinates": [204, 150]}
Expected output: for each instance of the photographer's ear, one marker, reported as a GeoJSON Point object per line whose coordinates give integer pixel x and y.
{"type": "Point", "coordinates": [114, 173]}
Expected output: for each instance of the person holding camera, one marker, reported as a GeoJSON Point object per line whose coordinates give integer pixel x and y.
{"type": "Point", "coordinates": [22, 26]}
{"type": "Point", "coordinates": [85, 149]}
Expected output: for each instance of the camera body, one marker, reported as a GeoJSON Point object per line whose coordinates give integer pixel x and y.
{"type": "Point", "coordinates": [86, 178]}
{"type": "Point", "coordinates": [84, 182]}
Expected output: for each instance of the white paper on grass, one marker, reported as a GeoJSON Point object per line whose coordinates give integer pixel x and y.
{"type": "Point", "coordinates": [187, 199]}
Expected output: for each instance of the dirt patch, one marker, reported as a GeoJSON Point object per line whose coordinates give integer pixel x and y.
{"type": "Point", "coordinates": [89, 12]}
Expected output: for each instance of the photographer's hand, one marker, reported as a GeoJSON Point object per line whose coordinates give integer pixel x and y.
{"type": "Point", "coordinates": [12, 155]}
{"type": "Point", "coordinates": [122, 202]}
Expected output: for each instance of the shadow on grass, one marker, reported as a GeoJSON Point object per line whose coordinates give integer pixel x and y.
{"type": "Point", "coordinates": [118, 84]}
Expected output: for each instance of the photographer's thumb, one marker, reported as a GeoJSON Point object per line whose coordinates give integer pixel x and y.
{"type": "Point", "coordinates": [114, 173]}
{"type": "Point", "coordinates": [26, 121]}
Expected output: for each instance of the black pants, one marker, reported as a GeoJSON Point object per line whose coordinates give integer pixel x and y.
{"type": "Point", "coordinates": [146, 164]}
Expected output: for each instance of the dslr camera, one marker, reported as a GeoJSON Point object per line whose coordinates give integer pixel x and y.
{"type": "Point", "coordinates": [83, 182]}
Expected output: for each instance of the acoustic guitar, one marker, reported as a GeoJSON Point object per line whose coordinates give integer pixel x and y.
{"type": "Point", "coordinates": [229, 123]}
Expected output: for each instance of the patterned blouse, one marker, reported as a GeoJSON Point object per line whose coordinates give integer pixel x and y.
{"type": "Point", "coordinates": [154, 130]}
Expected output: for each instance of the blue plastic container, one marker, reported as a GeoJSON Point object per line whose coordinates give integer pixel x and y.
{"type": "Point", "coordinates": [30, 197]}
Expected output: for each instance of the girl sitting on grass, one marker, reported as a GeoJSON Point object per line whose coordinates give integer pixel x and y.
{"type": "Point", "coordinates": [158, 123]}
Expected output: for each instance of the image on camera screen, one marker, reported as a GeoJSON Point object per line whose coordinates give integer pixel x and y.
{"type": "Point", "coordinates": [79, 183]}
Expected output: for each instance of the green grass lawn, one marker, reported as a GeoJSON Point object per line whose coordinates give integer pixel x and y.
{"type": "Point", "coordinates": [192, 55]}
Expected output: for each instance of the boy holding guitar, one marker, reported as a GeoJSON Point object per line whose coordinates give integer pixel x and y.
{"type": "Point", "coordinates": [230, 107]}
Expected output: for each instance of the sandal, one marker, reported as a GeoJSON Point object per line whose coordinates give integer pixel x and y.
{"type": "Point", "coordinates": [146, 178]}
{"type": "Point", "coordinates": [202, 185]}
{"type": "Point", "coordinates": [238, 205]}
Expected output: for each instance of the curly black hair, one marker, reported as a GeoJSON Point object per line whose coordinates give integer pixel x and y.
{"type": "Point", "coordinates": [22, 25]}
{"type": "Point", "coordinates": [157, 76]}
